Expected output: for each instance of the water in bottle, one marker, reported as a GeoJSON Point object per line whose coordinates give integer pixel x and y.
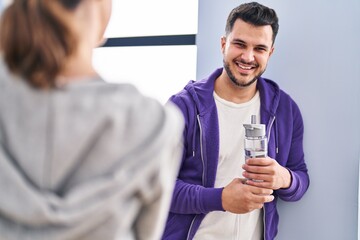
{"type": "Point", "coordinates": [255, 139]}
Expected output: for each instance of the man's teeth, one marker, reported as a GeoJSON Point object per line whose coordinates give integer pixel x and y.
{"type": "Point", "coordinates": [244, 67]}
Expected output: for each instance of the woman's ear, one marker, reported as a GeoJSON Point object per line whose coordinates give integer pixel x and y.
{"type": "Point", "coordinates": [105, 8]}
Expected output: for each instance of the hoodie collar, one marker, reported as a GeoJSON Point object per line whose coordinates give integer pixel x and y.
{"type": "Point", "coordinates": [202, 93]}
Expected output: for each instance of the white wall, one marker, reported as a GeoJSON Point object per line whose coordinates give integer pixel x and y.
{"type": "Point", "coordinates": [316, 61]}
{"type": "Point", "coordinates": [4, 4]}
{"type": "Point", "coordinates": [157, 71]}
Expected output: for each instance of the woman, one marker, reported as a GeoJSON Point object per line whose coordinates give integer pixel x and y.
{"type": "Point", "coordinates": [79, 158]}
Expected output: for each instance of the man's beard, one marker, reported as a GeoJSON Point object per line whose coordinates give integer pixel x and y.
{"type": "Point", "coordinates": [235, 81]}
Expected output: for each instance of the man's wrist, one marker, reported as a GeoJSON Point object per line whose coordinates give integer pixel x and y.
{"type": "Point", "coordinates": [287, 178]}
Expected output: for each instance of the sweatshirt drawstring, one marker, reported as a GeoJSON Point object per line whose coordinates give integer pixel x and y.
{"type": "Point", "coordinates": [276, 138]}
{"type": "Point", "coordinates": [194, 135]}
{"type": "Point", "coordinates": [273, 121]}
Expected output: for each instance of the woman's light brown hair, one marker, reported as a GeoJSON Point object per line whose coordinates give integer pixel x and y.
{"type": "Point", "coordinates": [34, 41]}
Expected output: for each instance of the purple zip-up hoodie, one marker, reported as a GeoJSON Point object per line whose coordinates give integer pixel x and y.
{"type": "Point", "coordinates": [194, 194]}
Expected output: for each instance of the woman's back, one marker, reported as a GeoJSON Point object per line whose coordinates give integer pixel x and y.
{"type": "Point", "coordinates": [79, 158]}
{"type": "Point", "coordinates": [88, 160]}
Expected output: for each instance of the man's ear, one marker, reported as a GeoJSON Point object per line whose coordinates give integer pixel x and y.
{"type": "Point", "coordinates": [223, 44]}
{"type": "Point", "coordinates": [271, 51]}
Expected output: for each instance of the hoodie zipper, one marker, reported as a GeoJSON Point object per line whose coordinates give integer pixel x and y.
{"type": "Point", "coordinates": [264, 222]}
{"type": "Point", "coordinates": [203, 173]}
{"type": "Point", "coordinates": [191, 226]}
{"type": "Point", "coordinates": [272, 121]}
{"type": "Point", "coordinates": [201, 151]}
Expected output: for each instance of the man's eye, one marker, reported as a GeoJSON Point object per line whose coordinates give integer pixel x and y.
{"type": "Point", "coordinates": [260, 49]}
{"type": "Point", "coordinates": [241, 45]}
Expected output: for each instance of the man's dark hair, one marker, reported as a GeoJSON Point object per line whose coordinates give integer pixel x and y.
{"type": "Point", "coordinates": [254, 14]}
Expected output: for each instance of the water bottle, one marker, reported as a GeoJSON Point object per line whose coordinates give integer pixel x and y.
{"type": "Point", "coordinates": [255, 139]}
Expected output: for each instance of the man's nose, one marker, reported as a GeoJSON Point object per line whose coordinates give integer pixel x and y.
{"type": "Point", "coordinates": [248, 55]}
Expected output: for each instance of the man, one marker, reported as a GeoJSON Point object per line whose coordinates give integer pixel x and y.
{"type": "Point", "coordinates": [214, 197]}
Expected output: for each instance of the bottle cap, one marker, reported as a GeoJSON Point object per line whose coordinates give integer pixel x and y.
{"type": "Point", "coordinates": [253, 129]}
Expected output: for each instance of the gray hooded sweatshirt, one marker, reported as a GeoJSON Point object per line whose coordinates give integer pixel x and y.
{"type": "Point", "coordinates": [89, 160]}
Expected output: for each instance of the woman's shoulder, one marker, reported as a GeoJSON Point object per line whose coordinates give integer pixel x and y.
{"type": "Point", "coordinates": [125, 107]}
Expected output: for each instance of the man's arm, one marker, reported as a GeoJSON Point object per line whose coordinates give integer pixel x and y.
{"type": "Point", "coordinates": [291, 181]}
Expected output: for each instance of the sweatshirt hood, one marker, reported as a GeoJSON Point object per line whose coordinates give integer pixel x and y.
{"type": "Point", "coordinates": [202, 93]}
{"type": "Point", "coordinates": [60, 177]}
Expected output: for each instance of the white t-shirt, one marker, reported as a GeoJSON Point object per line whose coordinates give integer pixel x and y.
{"type": "Point", "coordinates": [226, 225]}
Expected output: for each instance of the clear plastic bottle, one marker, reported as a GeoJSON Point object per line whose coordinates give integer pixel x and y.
{"type": "Point", "coordinates": [255, 139]}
